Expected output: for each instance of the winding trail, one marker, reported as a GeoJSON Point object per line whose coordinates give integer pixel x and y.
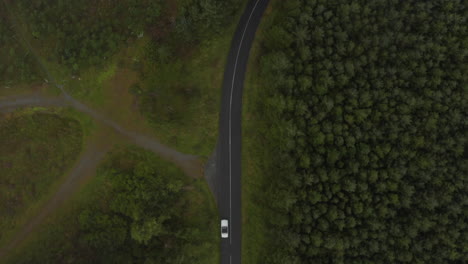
{"type": "Point", "coordinates": [184, 161]}
{"type": "Point", "coordinates": [146, 142]}
{"type": "Point", "coordinates": [188, 163]}
{"type": "Point", "coordinates": [12, 103]}
{"type": "Point", "coordinates": [92, 155]}
{"type": "Point", "coordinates": [89, 160]}
{"type": "Point", "coordinates": [85, 166]}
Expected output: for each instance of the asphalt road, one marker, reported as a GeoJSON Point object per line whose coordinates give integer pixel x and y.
{"type": "Point", "coordinates": [229, 144]}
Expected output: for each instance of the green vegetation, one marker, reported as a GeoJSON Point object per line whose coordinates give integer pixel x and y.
{"type": "Point", "coordinates": [201, 18]}
{"type": "Point", "coordinates": [37, 147]}
{"type": "Point", "coordinates": [85, 32]}
{"type": "Point", "coordinates": [257, 157]}
{"type": "Point", "coordinates": [138, 209]}
{"type": "Point", "coordinates": [362, 132]}
{"type": "Point", "coordinates": [17, 65]}
{"type": "Point", "coordinates": [187, 75]}
{"type": "Point", "coordinates": [179, 59]}
{"type": "Point", "coordinates": [191, 85]}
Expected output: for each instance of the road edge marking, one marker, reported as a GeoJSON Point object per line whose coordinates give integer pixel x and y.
{"type": "Point", "coordinates": [230, 114]}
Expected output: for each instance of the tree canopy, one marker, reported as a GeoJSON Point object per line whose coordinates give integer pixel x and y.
{"type": "Point", "coordinates": [371, 165]}
{"type": "Point", "coordinates": [137, 211]}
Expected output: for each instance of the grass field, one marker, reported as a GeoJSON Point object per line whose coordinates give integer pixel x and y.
{"type": "Point", "coordinates": [256, 155]}
{"type": "Point", "coordinates": [37, 147]}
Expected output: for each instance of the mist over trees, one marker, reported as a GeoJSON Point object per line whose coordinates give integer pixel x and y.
{"type": "Point", "coordinates": [371, 162]}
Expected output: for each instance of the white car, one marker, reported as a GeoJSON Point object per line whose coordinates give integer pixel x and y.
{"type": "Point", "coordinates": [224, 228]}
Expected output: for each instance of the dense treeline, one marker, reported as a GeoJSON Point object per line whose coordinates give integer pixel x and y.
{"type": "Point", "coordinates": [138, 212]}
{"type": "Point", "coordinates": [372, 156]}
{"type": "Point", "coordinates": [17, 65]}
{"type": "Point", "coordinates": [86, 32]}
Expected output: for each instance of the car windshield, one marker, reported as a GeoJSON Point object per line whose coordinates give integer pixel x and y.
{"type": "Point", "coordinates": [224, 229]}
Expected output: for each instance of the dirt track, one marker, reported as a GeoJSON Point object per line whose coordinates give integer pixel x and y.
{"type": "Point", "coordinates": [90, 158]}
{"type": "Point", "coordinates": [184, 161]}
{"type": "Point", "coordinates": [85, 167]}
{"type": "Point", "coordinates": [13, 102]}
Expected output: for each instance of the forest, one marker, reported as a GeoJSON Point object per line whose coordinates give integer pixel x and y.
{"type": "Point", "coordinates": [366, 103]}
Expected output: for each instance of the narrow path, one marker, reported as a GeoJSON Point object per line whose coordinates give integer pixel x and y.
{"type": "Point", "coordinates": [90, 159]}
{"type": "Point", "coordinates": [85, 167]}
{"type": "Point", "coordinates": [154, 145]}
{"type": "Point", "coordinates": [11, 103]}
{"type": "Point", "coordinates": [184, 161]}
{"type": "Point", "coordinates": [189, 163]}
